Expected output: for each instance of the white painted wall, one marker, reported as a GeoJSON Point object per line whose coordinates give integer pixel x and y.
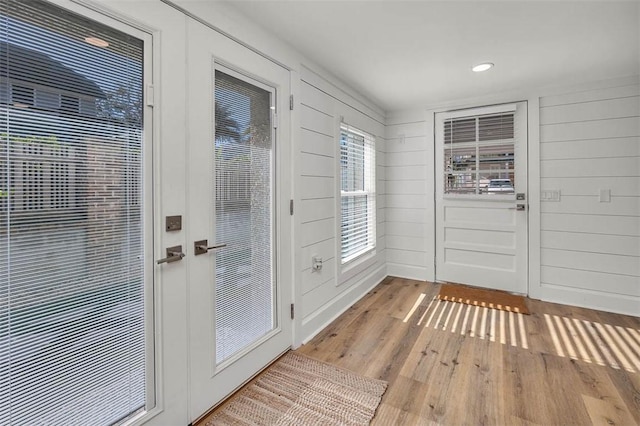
{"type": "Point", "coordinates": [410, 192]}
{"type": "Point", "coordinates": [590, 248]}
{"type": "Point", "coordinates": [326, 293]}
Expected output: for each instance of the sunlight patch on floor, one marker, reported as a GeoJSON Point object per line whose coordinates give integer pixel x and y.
{"type": "Point", "coordinates": [479, 321]}
{"type": "Point", "coordinates": [593, 342]}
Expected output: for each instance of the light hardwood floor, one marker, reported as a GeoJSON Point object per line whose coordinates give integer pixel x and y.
{"type": "Point", "coordinates": [451, 364]}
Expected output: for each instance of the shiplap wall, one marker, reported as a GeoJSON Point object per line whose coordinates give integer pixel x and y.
{"type": "Point", "coordinates": [324, 295]}
{"type": "Point", "coordinates": [589, 249]}
{"type": "Point", "coordinates": [409, 211]}
{"type": "Point", "coordinates": [589, 140]}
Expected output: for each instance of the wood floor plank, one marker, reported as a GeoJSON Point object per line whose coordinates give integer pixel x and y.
{"type": "Point", "coordinates": [604, 412]}
{"type": "Point", "coordinates": [628, 387]}
{"type": "Point", "coordinates": [402, 301]}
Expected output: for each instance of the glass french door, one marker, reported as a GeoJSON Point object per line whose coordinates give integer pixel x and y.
{"type": "Point", "coordinates": [74, 285]}
{"type": "Point", "coordinates": [238, 189]}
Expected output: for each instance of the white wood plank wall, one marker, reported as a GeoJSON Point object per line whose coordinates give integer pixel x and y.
{"type": "Point", "coordinates": [590, 248]}
{"type": "Point", "coordinates": [323, 295]}
{"type": "Point", "coordinates": [408, 207]}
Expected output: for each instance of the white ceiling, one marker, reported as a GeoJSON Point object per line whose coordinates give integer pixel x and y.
{"type": "Point", "coordinates": [403, 54]}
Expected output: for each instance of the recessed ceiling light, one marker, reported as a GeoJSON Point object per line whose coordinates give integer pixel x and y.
{"type": "Point", "coordinates": [482, 67]}
{"type": "Point", "coordinates": [95, 41]}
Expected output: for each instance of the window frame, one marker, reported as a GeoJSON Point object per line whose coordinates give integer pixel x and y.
{"type": "Point", "coordinates": [356, 262]}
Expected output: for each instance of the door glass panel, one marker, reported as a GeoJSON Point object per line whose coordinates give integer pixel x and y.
{"type": "Point", "coordinates": [460, 166]}
{"type": "Point", "coordinates": [479, 155]}
{"type": "Point", "coordinates": [245, 285]}
{"type": "Point", "coordinates": [72, 335]}
{"type": "Point", "coordinates": [496, 163]}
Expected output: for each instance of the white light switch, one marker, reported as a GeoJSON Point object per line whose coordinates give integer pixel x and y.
{"type": "Point", "coordinates": [605, 195]}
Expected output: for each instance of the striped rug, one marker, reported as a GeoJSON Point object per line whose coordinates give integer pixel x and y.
{"type": "Point", "coordinates": [297, 390]}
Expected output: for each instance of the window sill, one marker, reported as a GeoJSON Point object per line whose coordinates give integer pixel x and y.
{"type": "Point", "coordinates": [355, 266]}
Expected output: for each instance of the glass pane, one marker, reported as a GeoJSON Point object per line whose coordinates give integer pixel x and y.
{"type": "Point", "coordinates": [245, 287]}
{"type": "Point", "coordinates": [356, 229]}
{"type": "Point", "coordinates": [496, 169]}
{"type": "Point", "coordinates": [460, 130]}
{"type": "Point", "coordinates": [352, 162]}
{"type": "Point", "coordinates": [72, 337]}
{"type": "Point", "coordinates": [460, 175]}
{"type": "Point", "coordinates": [495, 127]}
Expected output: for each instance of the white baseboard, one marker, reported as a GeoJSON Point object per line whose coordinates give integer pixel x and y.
{"type": "Point", "coordinates": [601, 301]}
{"type": "Point", "coordinates": [407, 271]}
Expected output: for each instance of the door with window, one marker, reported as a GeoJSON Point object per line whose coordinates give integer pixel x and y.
{"type": "Point", "coordinates": [74, 221]}
{"type": "Point", "coordinates": [481, 197]}
{"type": "Point", "coordinates": [239, 234]}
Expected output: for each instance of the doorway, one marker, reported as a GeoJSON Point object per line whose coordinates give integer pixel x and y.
{"type": "Point", "coordinates": [75, 219]}
{"type": "Point", "coordinates": [481, 197]}
{"type": "Point", "coordinates": [238, 195]}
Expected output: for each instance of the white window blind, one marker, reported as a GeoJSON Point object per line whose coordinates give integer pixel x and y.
{"type": "Point", "coordinates": [244, 185]}
{"type": "Point", "coordinates": [72, 335]}
{"type": "Point", "coordinates": [357, 193]}
{"type": "Point", "coordinates": [479, 154]}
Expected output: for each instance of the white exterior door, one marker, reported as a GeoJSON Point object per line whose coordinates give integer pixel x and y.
{"type": "Point", "coordinates": [481, 197]}
{"type": "Point", "coordinates": [238, 196]}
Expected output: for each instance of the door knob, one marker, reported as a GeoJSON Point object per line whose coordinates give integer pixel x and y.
{"type": "Point", "coordinates": [202, 247]}
{"type": "Point", "coordinates": [174, 254]}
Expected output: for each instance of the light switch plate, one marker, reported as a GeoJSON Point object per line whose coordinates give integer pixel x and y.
{"type": "Point", "coordinates": [550, 195]}
{"type": "Point", "coordinates": [605, 195]}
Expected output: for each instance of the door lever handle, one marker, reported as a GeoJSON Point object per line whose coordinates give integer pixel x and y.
{"type": "Point", "coordinates": [202, 247]}
{"type": "Point", "coordinates": [174, 254]}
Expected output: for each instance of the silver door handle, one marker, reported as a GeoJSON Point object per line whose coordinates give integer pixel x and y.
{"type": "Point", "coordinates": [202, 247]}
{"type": "Point", "coordinates": [174, 254]}
{"type": "Point", "coordinates": [518, 207]}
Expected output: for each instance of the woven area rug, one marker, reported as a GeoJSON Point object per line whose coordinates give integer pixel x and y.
{"type": "Point", "coordinates": [494, 299]}
{"type": "Point", "coordinates": [297, 390]}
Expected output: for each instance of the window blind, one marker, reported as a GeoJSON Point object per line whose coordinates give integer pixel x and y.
{"type": "Point", "coordinates": [72, 336]}
{"type": "Point", "coordinates": [357, 193]}
{"type": "Point", "coordinates": [245, 284]}
{"type": "Point", "coordinates": [479, 154]}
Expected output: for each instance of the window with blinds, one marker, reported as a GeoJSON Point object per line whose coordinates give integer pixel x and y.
{"type": "Point", "coordinates": [479, 155]}
{"type": "Point", "coordinates": [72, 335]}
{"type": "Point", "coordinates": [244, 188]}
{"type": "Point", "coordinates": [357, 193]}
